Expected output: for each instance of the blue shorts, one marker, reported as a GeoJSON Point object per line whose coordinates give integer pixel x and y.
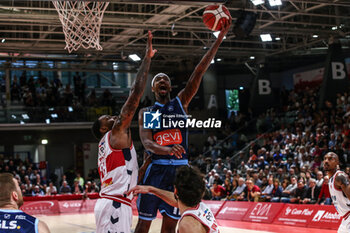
{"type": "Point", "coordinates": [163, 177]}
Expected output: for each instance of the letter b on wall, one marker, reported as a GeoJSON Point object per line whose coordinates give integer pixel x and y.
{"type": "Point", "coordinates": [338, 70]}
{"type": "Point", "coordinates": [264, 87]}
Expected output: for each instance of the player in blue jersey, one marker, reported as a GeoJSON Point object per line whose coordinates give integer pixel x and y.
{"type": "Point", "coordinates": [168, 146]}
{"type": "Point", "coordinates": [12, 219]}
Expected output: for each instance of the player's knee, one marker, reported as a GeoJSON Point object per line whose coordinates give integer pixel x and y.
{"type": "Point", "coordinates": [142, 226]}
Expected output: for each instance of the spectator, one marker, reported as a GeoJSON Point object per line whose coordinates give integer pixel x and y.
{"type": "Point", "coordinates": [319, 179]}
{"type": "Point", "coordinates": [217, 191]}
{"type": "Point", "coordinates": [219, 167]}
{"type": "Point", "coordinates": [276, 192]}
{"type": "Point", "coordinates": [208, 165]}
{"type": "Point", "coordinates": [37, 191]}
{"type": "Point", "coordinates": [211, 177]}
{"type": "Point", "coordinates": [312, 193]}
{"type": "Point", "coordinates": [228, 187]}
{"type": "Point", "coordinates": [251, 192]}
{"type": "Point", "coordinates": [300, 192]}
{"type": "Point", "coordinates": [256, 179]}
{"type": "Point", "coordinates": [51, 190]}
{"type": "Point", "coordinates": [65, 188]}
{"type": "Point", "coordinates": [324, 197]}
{"type": "Point", "coordinates": [77, 189]}
{"type": "Point", "coordinates": [80, 180]}
{"type": "Point", "coordinates": [288, 192]}
{"type": "Point", "coordinates": [90, 187]}
{"type": "Point", "coordinates": [238, 190]}
{"type": "Point", "coordinates": [266, 193]}
{"type": "Point", "coordinates": [94, 188]}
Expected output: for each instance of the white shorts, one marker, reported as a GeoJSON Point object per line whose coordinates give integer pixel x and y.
{"type": "Point", "coordinates": [112, 216]}
{"type": "Point", "coordinates": [344, 226]}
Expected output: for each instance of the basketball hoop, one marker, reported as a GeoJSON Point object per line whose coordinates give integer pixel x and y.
{"type": "Point", "coordinates": [81, 21]}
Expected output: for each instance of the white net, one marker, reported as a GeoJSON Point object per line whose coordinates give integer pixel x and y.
{"type": "Point", "coordinates": [81, 21]}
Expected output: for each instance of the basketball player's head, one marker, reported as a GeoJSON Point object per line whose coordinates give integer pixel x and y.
{"type": "Point", "coordinates": [330, 161]}
{"type": "Point", "coordinates": [161, 85]}
{"type": "Point", "coordinates": [10, 192]}
{"type": "Point", "coordinates": [189, 186]}
{"type": "Point", "coordinates": [102, 125]}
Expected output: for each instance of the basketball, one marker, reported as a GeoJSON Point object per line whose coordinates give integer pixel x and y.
{"type": "Point", "coordinates": [213, 15]}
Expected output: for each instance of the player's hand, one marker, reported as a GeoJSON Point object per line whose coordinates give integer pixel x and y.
{"type": "Point", "coordinates": [177, 150]}
{"type": "Point", "coordinates": [150, 51]}
{"type": "Point", "coordinates": [225, 26]}
{"type": "Point", "coordinates": [139, 189]}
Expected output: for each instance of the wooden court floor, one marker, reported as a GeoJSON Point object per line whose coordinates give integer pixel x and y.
{"type": "Point", "coordinates": [85, 223]}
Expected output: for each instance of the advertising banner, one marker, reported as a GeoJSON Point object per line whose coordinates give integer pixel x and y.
{"type": "Point", "coordinates": [41, 207]}
{"type": "Point", "coordinates": [296, 215]}
{"type": "Point", "coordinates": [233, 210]}
{"type": "Point", "coordinates": [325, 216]}
{"type": "Point", "coordinates": [77, 206]}
{"type": "Point", "coordinates": [263, 212]}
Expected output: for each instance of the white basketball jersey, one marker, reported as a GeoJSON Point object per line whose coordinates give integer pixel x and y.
{"type": "Point", "coordinates": [118, 170]}
{"type": "Point", "coordinates": [204, 215]}
{"type": "Point", "coordinates": [340, 201]}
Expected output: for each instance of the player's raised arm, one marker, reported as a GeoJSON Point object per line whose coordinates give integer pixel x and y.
{"type": "Point", "coordinates": [193, 83]}
{"type": "Point", "coordinates": [342, 181]}
{"type": "Point", "coordinates": [167, 196]}
{"type": "Point", "coordinates": [137, 89]}
{"type": "Point", "coordinates": [154, 147]}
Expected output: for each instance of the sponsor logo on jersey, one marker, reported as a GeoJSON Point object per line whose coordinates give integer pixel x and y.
{"type": "Point", "coordinates": [10, 225]}
{"type": "Point", "coordinates": [205, 212]}
{"type": "Point", "coordinates": [20, 217]}
{"type": "Point", "coordinates": [107, 182]}
{"type": "Point", "coordinates": [168, 137]}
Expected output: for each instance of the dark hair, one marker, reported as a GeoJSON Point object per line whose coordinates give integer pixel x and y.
{"type": "Point", "coordinates": [190, 185]}
{"type": "Point", "coordinates": [96, 129]}
{"type": "Point", "coordinates": [7, 186]}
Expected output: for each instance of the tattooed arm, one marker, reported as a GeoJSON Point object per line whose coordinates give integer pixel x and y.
{"type": "Point", "coordinates": [194, 82]}
{"type": "Point", "coordinates": [342, 182]}
{"type": "Point", "coordinates": [136, 91]}
{"type": "Point", "coordinates": [165, 195]}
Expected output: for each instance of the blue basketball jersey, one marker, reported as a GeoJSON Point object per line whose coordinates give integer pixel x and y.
{"type": "Point", "coordinates": [16, 221]}
{"type": "Point", "coordinates": [170, 135]}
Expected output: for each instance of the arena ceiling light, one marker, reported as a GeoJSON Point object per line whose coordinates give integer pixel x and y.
{"type": "Point", "coordinates": [251, 57]}
{"type": "Point", "coordinates": [134, 57]}
{"type": "Point", "coordinates": [257, 2]}
{"type": "Point", "coordinates": [218, 59]}
{"type": "Point", "coordinates": [315, 36]}
{"type": "Point", "coordinates": [266, 37]}
{"type": "Point", "coordinates": [278, 38]}
{"type": "Point", "coordinates": [25, 116]}
{"type": "Point", "coordinates": [44, 141]}
{"type": "Point", "coordinates": [275, 2]}
{"type": "Point", "coordinates": [3, 40]}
